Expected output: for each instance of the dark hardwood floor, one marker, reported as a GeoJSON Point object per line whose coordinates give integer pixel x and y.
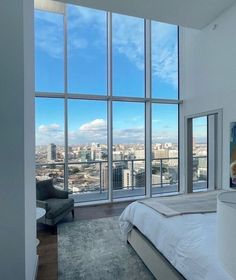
{"type": "Point", "coordinates": [47, 249]}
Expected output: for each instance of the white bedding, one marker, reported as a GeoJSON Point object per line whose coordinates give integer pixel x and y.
{"type": "Point", "coordinates": [187, 241]}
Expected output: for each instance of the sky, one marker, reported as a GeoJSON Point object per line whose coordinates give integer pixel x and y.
{"type": "Point", "coordinates": [87, 74]}
{"type": "Point", "coordinates": [200, 130]}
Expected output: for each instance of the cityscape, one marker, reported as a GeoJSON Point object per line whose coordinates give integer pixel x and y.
{"type": "Point", "coordinates": [88, 166]}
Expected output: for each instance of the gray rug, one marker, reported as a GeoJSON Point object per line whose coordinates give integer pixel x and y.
{"type": "Point", "coordinates": [95, 250]}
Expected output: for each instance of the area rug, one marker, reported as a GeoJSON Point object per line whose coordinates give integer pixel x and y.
{"type": "Point", "coordinates": [96, 250]}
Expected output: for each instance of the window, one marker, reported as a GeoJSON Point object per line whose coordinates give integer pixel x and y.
{"type": "Point", "coordinates": [164, 60]}
{"type": "Point", "coordinates": [50, 147]}
{"type": "Point", "coordinates": [94, 117]}
{"type": "Point", "coordinates": [165, 162]}
{"type": "Point", "coordinates": [128, 55]}
{"type": "Point", "coordinates": [128, 149]}
{"type": "Point", "coordinates": [87, 149]}
{"type": "Point", "coordinates": [49, 52]}
{"type": "Point", "coordinates": [87, 50]}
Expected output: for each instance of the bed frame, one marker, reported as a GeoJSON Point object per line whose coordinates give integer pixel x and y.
{"type": "Point", "coordinates": [160, 267]}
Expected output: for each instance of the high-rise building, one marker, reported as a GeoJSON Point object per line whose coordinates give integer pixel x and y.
{"type": "Point", "coordinates": [104, 178]}
{"type": "Point", "coordinates": [140, 179]}
{"type": "Point", "coordinates": [118, 155]}
{"type": "Point", "coordinates": [161, 153]}
{"type": "Point", "coordinates": [139, 154]}
{"type": "Point", "coordinates": [83, 155]}
{"type": "Point", "coordinates": [117, 176]}
{"type": "Point", "coordinates": [127, 178]}
{"type": "Point", "coordinates": [173, 161]}
{"type": "Point", "coordinates": [51, 152]}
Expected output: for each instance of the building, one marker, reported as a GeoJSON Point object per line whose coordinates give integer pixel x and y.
{"type": "Point", "coordinates": [173, 155]}
{"type": "Point", "coordinates": [161, 153]}
{"type": "Point", "coordinates": [104, 178]}
{"type": "Point", "coordinates": [139, 154]}
{"type": "Point", "coordinates": [127, 178]}
{"type": "Point", "coordinates": [51, 152]}
{"type": "Point", "coordinates": [117, 177]}
{"type": "Point", "coordinates": [140, 179]}
{"type": "Point", "coordinates": [118, 155]}
{"type": "Point", "coordinates": [120, 175]}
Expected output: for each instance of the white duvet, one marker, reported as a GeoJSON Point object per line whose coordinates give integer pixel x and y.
{"type": "Point", "coordinates": [187, 241]}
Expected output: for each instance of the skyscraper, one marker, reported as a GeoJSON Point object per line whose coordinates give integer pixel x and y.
{"type": "Point", "coordinates": [116, 176]}
{"type": "Point", "coordinates": [127, 178]}
{"type": "Point", "coordinates": [51, 152]}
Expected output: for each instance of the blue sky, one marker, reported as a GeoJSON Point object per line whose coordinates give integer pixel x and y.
{"type": "Point", "coordinates": [87, 73]}
{"type": "Point", "coordinates": [200, 130]}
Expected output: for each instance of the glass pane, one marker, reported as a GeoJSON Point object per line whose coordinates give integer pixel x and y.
{"type": "Point", "coordinates": [128, 55]}
{"type": "Point", "coordinates": [200, 140]}
{"type": "Point", "coordinates": [128, 149]}
{"type": "Point", "coordinates": [49, 52]}
{"type": "Point", "coordinates": [50, 153]}
{"type": "Point", "coordinates": [165, 170]}
{"type": "Point", "coordinates": [87, 50]}
{"type": "Point", "coordinates": [164, 60]}
{"type": "Point", "coordinates": [55, 171]}
{"type": "Point", "coordinates": [87, 151]}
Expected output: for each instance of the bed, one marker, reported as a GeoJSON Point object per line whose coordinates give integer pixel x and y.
{"type": "Point", "coordinates": [174, 248]}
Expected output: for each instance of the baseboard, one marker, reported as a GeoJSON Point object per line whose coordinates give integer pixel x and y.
{"type": "Point", "coordinates": [36, 267]}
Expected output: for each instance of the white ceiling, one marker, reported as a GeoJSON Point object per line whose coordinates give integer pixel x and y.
{"type": "Point", "coordinates": [189, 13]}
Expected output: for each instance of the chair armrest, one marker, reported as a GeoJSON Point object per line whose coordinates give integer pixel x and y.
{"type": "Point", "coordinates": [42, 204]}
{"type": "Point", "coordinates": [60, 193]}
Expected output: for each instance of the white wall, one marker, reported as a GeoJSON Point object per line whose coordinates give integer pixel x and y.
{"type": "Point", "coordinates": [208, 74]}
{"type": "Point", "coordinates": [17, 184]}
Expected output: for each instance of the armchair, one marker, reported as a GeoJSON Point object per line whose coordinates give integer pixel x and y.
{"type": "Point", "coordinates": [54, 201]}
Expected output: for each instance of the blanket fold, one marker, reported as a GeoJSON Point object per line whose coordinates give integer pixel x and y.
{"type": "Point", "coordinates": [204, 202]}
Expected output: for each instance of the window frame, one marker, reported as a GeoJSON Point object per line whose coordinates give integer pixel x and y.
{"type": "Point", "coordinates": [109, 98]}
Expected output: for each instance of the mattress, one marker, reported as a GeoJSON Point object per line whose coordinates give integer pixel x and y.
{"type": "Point", "coordinates": [187, 241]}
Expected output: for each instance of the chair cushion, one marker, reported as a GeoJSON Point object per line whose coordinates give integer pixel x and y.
{"type": "Point", "coordinates": [44, 189]}
{"type": "Point", "coordinates": [58, 206]}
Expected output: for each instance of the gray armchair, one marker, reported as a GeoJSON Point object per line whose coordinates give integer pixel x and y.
{"type": "Point", "coordinates": [54, 201]}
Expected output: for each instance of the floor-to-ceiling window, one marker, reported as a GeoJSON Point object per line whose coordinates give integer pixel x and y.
{"type": "Point", "coordinates": [106, 103]}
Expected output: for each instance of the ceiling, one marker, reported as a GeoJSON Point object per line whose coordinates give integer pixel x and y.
{"type": "Point", "coordinates": [189, 13]}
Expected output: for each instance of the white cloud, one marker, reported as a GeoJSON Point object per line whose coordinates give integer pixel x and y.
{"type": "Point", "coordinates": [49, 128]}
{"type": "Point", "coordinates": [77, 43]}
{"type": "Point", "coordinates": [128, 38]}
{"type": "Point", "coordinates": [93, 126]}
{"type": "Point", "coordinates": [129, 135]}
{"type": "Point", "coordinates": [80, 16]}
{"type": "Point", "coordinates": [49, 37]}
{"type": "Point", "coordinates": [164, 65]}
{"type": "Point", "coordinates": [157, 121]}
{"type": "Point", "coordinates": [165, 136]}
{"type": "Point", "coordinates": [164, 52]}
{"type": "Point", "coordinates": [51, 133]}
{"type": "Point", "coordinates": [81, 19]}
{"type": "Point", "coordinates": [94, 131]}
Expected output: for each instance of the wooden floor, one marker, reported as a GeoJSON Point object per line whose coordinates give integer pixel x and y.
{"type": "Point", "coordinates": [47, 249]}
